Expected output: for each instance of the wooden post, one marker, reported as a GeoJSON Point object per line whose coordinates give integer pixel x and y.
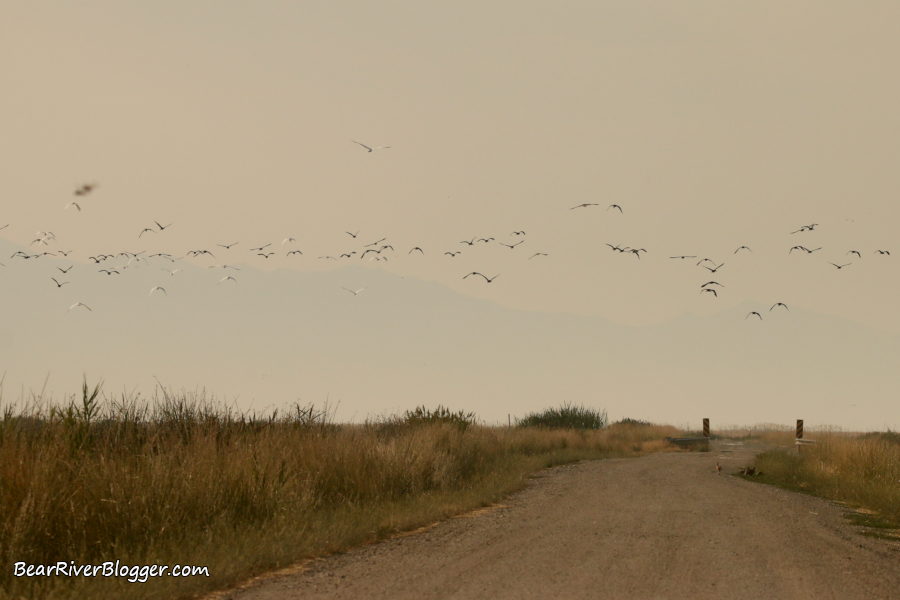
{"type": "Point", "coordinates": [706, 428]}
{"type": "Point", "coordinates": [799, 429]}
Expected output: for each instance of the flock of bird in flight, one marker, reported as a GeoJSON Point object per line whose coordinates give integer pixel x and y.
{"type": "Point", "coordinates": [375, 248]}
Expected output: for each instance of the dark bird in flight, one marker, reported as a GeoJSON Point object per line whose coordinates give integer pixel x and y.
{"type": "Point", "coordinates": [537, 254]}
{"type": "Point", "coordinates": [806, 228]}
{"type": "Point", "coordinates": [485, 240]}
{"type": "Point", "coordinates": [855, 252]}
{"type": "Point", "coordinates": [353, 235]}
{"type": "Point", "coordinates": [742, 248]}
{"type": "Point", "coordinates": [416, 248]}
{"type": "Point", "coordinates": [705, 260]}
{"type": "Point", "coordinates": [264, 255]}
{"type": "Point", "coordinates": [146, 229]}
{"type": "Point", "coordinates": [517, 233]}
{"type": "Point", "coordinates": [327, 257]}
{"type": "Point", "coordinates": [162, 289]}
{"type": "Point", "coordinates": [374, 243]}
{"type": "Point", "coordinates": [108, 272]}
{"type": "Point", "coordinates": [224, 279]}
{"type": "Point", "coordinates": [841, 266]}
{"type": "Point", "coordinates": [85, 189]}
{"type": "Point", "coordinates": [469, 243]}
{"type": "Point", "coordinates": [370, 149]}
{"type": "Point", "coordinates": [753, 313]}
{"type": "Point", "coordinates": [226, 246]}
{"type": "Point", "coordinates": [583, 205]}
{"type": "Point", "coordinates": [348, 255]}
{"type": "Point", "coordinates": [713, 270]}
{"type": "Point", "coordinates": [222, 267]}
{"type": "Point", "coordinates": [679, 256]}
{"type": "Point", "coordinates": [58, 284]}
{"type": "Point", "coordinates": [369, 250]}
{"type": "Point", "coordinates": [64, 271]}
{"type": "Point", "coordinates": [797, 248]}
{"type": "Point", "coordinates": [298, 252]}
{"type": "Point", "coordinates": [65, 253]}
{"type": "Point", "coordinates": [199, 252]}
{"type": "Point", "coordinates": [485, 277]}
{"type": "Point", "coordinates": [452, 253]}
{"type": "Point", "coordinates": [710, 290]}
{"type": "Point", "coordinates": [614, 206]}
{"type": "Point", "coordinates": [780, 304]}
{"type": "Point", "coordinates": [882, 252]}
{"type": "Point", "coordinates": [75, 204]}
{"type": "Point", "coordinates": [261, 248]}
{"type": "Point", "coordinates": [162, 228]}
{"type": "Point", "coordinates": [508, 246]}
{"type": "Point", "coordinates": [712, 283]}
{"type": "Point", "coordinates": [386, 246]}
{"type": "Point", "coordinates": [352, 292]}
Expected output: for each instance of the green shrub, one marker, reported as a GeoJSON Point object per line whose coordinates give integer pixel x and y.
{"type": "Point", "coordinates": [441, 415]}
{"type": "Point", "coordinates": [567, 416]}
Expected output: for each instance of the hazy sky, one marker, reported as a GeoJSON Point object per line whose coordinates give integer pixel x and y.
{"type": "Point", "coordinates": [712, 124]}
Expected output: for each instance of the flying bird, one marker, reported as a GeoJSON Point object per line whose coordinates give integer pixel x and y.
{"type": "Point", "coordinates": [680, 256]}
{"type": "Point", "coordinates": [264, 255]}
{"type": "Point", "coordinates": [64, 271]}
{"type": "Point", "coordinates": [162, 228]}
{"type": "Point", "coordinates": [108, 272]}
{"type": "Point", "coordinates": [353, 235]}
{"type": "Point", "coordinates": [753, 313]}
{"type": "Point", "coordinates": [370, 149]}
{"type": "Point", "coordinates": [583, 205]}
{"type": "Point", "coordinates": [79, 304]}
{"type": "Point", "coordinates": [452, 253]}
{"type": "Point", "coordinates": [58, 284]}
{"type": "Point", "coordinates": [170, 272]}
{"type": "Point", "coordinates": [537, 254]}
{"type": "Point", "coordinates": [705, 260]}
{"type": "Point", "coordinates": [517, 233]}
{"type": "Point", "coordinates": [65, 253]}
{"type": "Point", "coordinates": [199, 252]}
{"type": "Point", "coordinates": [289, 239]}
{"type": "Point", "coordinates": [348, 255]}
{"type": "Point", "coordinates": [223, 267]}
{"type": "Point", "coordinates": [75, 204]}
{"type": "Point", "coordinates": [712, 283]}
{"type": "Point", "coordinates": [416, 248]}
{"type": "Point", "coordinates": [485, 277]}
{"type": "Point", "coordinates": [798, 248]}
{"type": "Point", "coordinates": [146, 229]}
{"type": "Point", "coordinates": [226, 247]}
{"type": "Point", "coordinates": [352, 292]}
{"type": "Point", "coordinates": [293, 252]}
{"type": "Point", "coordinates": [260, 249]}
{"type": "Point", "coordinates": [160, 289]}
{"type": "Point", "coordinates": [780, 304]}
{"type": "Point", "coordinates": [855, 252]}
{"type": "Point", "coordinates": [710, 290]}
{"type": "Point", "coordinates": [85, 189]}
{"type": "Point", "coordinates": [882, 252]}
{"type": "Point", "coordinates": [742, 248]}
{"type": "Point", "coordinates": [508, 246]}
{"type": "Point", "coordinates": [485, 240]}
{"type": "Point", "coordinates": [469, 243]}
{"type": "Point", "coordinates": [375, 243]}
{"type": "Point", "coordinates": [841, 266]}
{"type": "Point", "coordinates": [226, 279]}
{"type": "Point", "coordinates": [614, 206]}
{"type": "Point", "coordinates": [713, 270]}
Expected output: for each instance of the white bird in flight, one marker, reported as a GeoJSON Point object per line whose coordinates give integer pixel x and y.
{"type": "Point", "coordinates": [159, 288]}
{"type": "Point", "coordinates": [79, 304]}
{"type": "Point", "coordinates": [75, 204]}
{"type": "Point", "coordinates": [351, 291]}
{"type": "Point", "coordinates": [226, 279]}
{"type": "Point", "coordinates": [369, 148]}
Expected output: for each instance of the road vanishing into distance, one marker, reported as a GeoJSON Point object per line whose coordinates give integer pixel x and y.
{"type": "Point", "coordinates": [664, 526]}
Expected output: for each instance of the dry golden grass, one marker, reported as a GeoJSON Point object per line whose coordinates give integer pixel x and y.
{"type": "Point", "coordinates": [183, 481]}
{"type": "Point", "coordinates": [862, 470]}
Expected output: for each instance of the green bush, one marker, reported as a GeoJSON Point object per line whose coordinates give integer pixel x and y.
{"type": "Point", "coordinates": [441, 415]}
{"type": "Point", "coordinates": [567, 416]}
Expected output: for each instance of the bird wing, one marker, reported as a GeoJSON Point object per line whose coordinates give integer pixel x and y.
{"type": "Point", "coordinates": [364, 146]}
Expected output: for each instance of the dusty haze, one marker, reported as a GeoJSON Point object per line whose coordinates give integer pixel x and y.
{"type": "Point", "coordinates": [712, 124]}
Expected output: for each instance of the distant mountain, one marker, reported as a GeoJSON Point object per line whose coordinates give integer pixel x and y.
{"type": "Point", "coordinates": [272, 338]}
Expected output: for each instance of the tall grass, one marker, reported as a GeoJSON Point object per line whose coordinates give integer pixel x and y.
{"type": "Point", "coordinates": [862, 470]}
{"type": "Point", "coordinates": [567, 416]}
{"type": "Point", "coordinates": [181, 479]}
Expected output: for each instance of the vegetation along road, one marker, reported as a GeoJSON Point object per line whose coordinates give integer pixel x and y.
{"type": "Point", "coordinates": [661, 526]}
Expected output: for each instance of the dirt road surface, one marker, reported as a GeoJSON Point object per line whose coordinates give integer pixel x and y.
{"type": "Point", "coordinates": [664, 526]}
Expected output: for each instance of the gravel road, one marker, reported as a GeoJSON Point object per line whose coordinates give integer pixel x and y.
{"type": "Point", "coordinates": [663, 526]}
